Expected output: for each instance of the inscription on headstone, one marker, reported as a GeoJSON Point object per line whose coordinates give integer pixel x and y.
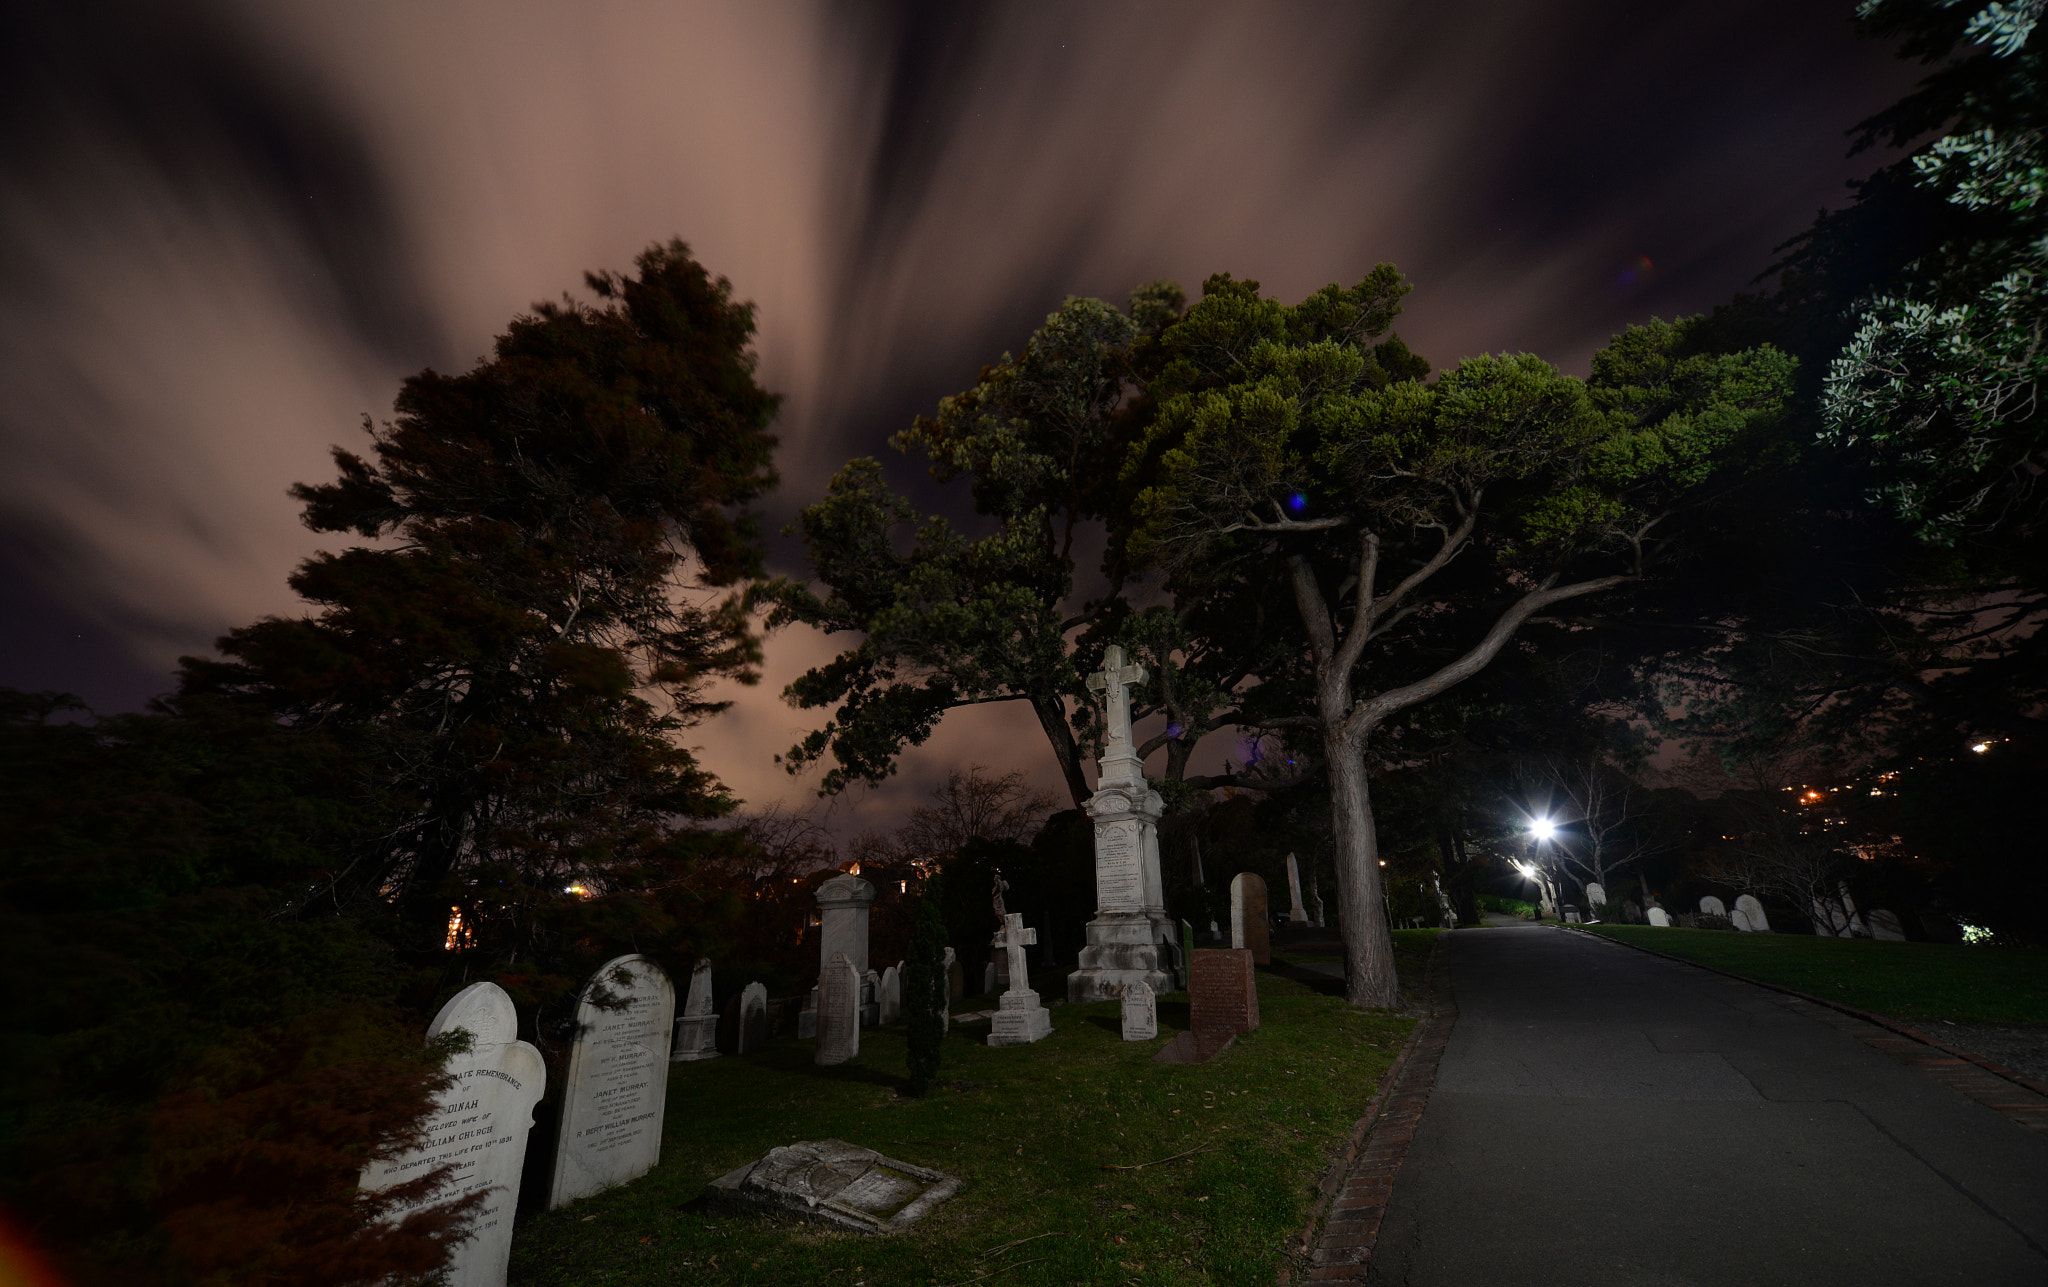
{"type": "Point", "coordinates": [838, 1012]}
{"type": "Point", "coordinates": [1141, 1012]}
{"type": "Point", "coordinates": [479, 1127]}
{"type": "Point", "coordinates": [616, 1084]}
{"type": "Point", "coordinates": [1119, 880]}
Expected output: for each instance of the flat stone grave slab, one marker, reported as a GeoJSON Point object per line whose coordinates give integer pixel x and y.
{"type": "Point", "coordinates": [835, 1183]}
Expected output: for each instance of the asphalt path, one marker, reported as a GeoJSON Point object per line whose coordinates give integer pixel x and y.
{"type": "Point", "coordinates": [1603, 1116]}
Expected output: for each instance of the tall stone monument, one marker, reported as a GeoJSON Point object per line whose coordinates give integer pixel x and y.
{"type": "Point", "coordinates": [697, 1026]}
{"type": "Point", "coordinates": [1297, 914]}
{"type": "Point", "coordinates": [479, 1127]}
{"type": "Point", "coordinates": [843, 904]}
{"type": "Point", "coordinates": [616, 1084]}
{"type": "Point", "coordinates": [1021, 1020]}
{"type": "Point", "coordinates": [1249, 929]}
{"type": "Point", "coordinates": [838, 1012]}
{"type": "Point", "coordinates": [1127, 937]}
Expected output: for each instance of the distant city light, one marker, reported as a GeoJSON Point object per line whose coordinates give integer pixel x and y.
{"type": "Point", "coordinates": [1981, 747]}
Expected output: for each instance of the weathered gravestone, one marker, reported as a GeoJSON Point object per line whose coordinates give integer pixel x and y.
{"type": "Point", "coordinates": [479, 1127]}
{"type": "Point", "coordinates": [956, 978]}
{"type": "Point", "coordinates": [1571, 915]}
{"type": "Point", "coordinates": [1141, 1012]}
{"type": "Point", "coordinates": [1749, 915]}
{"type": "Point", "coordinates": [697, 1026]}
{"type": "Point", "coordinates": [1596, 897]}
{"type": "Point", "coordinates": [1712, 906]}
{"type": "Point", "coordinates": [1248, 921]}
{"type": "Point", "coordinates": [1223, 1001]}
{"type": "Point", "coordinates": [1660, 918]}
{"type": "Point", "coordinates": [1021, 1020]}
{"type": "Point", "coordinates": [891, 994]}
{"type": "Point", "coordinates": [836, 1183]}
{"type": "Point", "coordinates": [1297, 914]}
{"type": "Point", "coordinates": [870, 999]}
{"type": "Point", "coordinates": [838, 1012]}
{"type": "Point", "coordinates": [753, 1033]}
{"type": "Point", "coordinates": [1127, 939]}
{"type": "Point", "coordinates": [1887, 926]}
{"type": "Point", "coordinates": [616, 1084]}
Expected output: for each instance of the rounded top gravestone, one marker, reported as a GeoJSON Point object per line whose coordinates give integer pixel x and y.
{"type": "Point", "coordinates": [616, 1085]}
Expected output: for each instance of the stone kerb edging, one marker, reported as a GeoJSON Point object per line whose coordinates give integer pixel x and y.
{"type": "Point", "coordinates": [2031, 1115]}
{"type": "Point", "coordinates": [1337, 1249]}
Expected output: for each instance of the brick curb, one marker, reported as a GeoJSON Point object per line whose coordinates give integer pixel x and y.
{"type": "Point", "coordinates": [1971, 1075]}
{"type": "Point", "coordinates": [1354, 1190]}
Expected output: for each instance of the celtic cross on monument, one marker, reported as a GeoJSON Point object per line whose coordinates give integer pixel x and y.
{"type": "Point", "coordinates": [1114, 681]}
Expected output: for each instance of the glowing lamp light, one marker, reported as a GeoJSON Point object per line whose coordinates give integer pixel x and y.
{"type": "Point", "coordinates": [1981, 747]}
{"type": "Point", "coordinates": [1543, 829]}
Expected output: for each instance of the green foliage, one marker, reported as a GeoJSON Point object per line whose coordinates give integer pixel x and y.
{"type": "Point", "coordinates": [924, 990]}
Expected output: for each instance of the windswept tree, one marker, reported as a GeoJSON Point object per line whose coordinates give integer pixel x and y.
{"type": "Point", "coordinates": [517, 651]}
{"type": "Point", "coordinates": [1295, 440]}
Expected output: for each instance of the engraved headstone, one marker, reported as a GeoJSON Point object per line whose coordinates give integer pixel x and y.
{"type": "Point", "coordinates": [892, 994]}
{"type": "Point", "coordinates": [616, 1084]}
{"type": "Point", "coordinates": [1749, 915]}
{"type": "Point", "coordinates": [1021, 1020]}
{"type": "Point", "coordinates": [843, 904]}
{"type": "Point", "coordinates": [753, 1032]}
{"type": "Point", "coordinates": [1296, 913]}
{"type": "Point", "coordinates": [870, 999]}
{"type": "Point", "coordinates": [1660, 918]}
{"type": "Point", "coordinates": [1141, 1012]}
{"type": "Point", "coordinates": [1887, 926]}
{"type": "Point", "coordinates": [479, 1127]}
{"type": "Point", "coordinates": [1712, 906]}
{"type": "Point", "coordinates": [1248, 923]}
{"type": "Point", "coordinates": [833, 1182]}
{"type": "Point", "coordinates": [697, 1026]}
{"type": "Point", "coordinates": [838, 1012]}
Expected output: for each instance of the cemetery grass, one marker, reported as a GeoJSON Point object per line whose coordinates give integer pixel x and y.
{"type": "Point", "coordinates": [1033, 1132]}
{"type": "Point", "coordinates": [1937, 981]}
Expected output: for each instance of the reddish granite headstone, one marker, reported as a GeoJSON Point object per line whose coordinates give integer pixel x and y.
{"type": "Point", "coordinates": [1224, 998]}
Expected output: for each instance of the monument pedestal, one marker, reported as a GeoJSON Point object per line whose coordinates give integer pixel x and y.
{"type": "Point", "coordinates": [1123, 947]}
{"type": "Point", "coordinates": [1020, 1021]}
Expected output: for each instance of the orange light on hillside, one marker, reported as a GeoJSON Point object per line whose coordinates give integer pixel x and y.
{"type": "Point", "coordinates": [459, 933]}
{"type": "Point", "coordinates": [853, 868]}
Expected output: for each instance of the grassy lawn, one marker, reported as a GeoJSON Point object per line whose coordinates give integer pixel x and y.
{"type": "Point", "coordinates": [1031, 1130]}
{"type": "Point", "coordinates": [1910, 980]}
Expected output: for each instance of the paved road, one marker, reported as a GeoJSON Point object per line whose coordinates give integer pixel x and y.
{"type": "Point", "coordinates": [1602, 1116]}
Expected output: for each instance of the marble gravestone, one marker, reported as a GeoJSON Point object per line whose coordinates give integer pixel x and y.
{"type": "Point", "coordinates": [1297, 914]}
{"type": "Point", "coordinates": [1887, 926]}
{"type": "Point", "coordinates": [870, 999]}
{"type": "Point", "coordinates": [1660, 918]}
{"type": "Point", "coordinates": [479, 1127]}
{"type": "Point", "coordinates": [838, 1012]}
{"type": "Point", "coordinates": [1126, 940]}
{"type": "Point", "coordinates": [1712, 906]}
{"type": "Point", "coordinates": [1021, 1020]}
{"type": "Point", "coordinates": [696, 1026]}
{"type": "Point", "coordinates": [1141, 1013]}
{"type": "Point", "coordinates": [616, 1083]}
{"type": "Point", "coordinates": [833, 1182]}
{"type": "Point", "coordinates": [1249, 930]}
{"type": "Point", "coordinates": [753, 1033]}
{"type": "Point", "coordinates": [1596, 897]}
{"type": "Point", "coordinates": [890, 994]}
{"type": "Point", "coordinates": [843, 904]}
{"type": "Point", "coordinates": [956, 978]}
{"type": "Point", "coordinates": [1749, 915]}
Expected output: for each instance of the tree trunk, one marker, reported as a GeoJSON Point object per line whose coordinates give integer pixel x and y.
{"type": "Point", "coordinates": [1052, 717]}
{"type": "Point", "coordinates": [1368, 947]}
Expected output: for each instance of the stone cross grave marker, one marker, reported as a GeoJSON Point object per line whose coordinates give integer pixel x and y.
{"type": "Point", "coordinates": [1248, 924]}
{"type": "Point", "coordinates": [1297, 914]}
{"type": "Point", "coordinates": [1114, 682]}
{"type": "Point", "coordinates": [838, 1012]}
{"type": "Point", "coordinates": [892, 994]}
{"type": "Point", "coordinates": [697, 1026]}
{"type": "Point", "coordinates": [1021, 1019]}
{"type": "Point", "coordinates": [1141, 1012]}
{"type": "Point", "coordinates": [479, 1127]}
{"type": "Point", "coordinates": [753, 1033]}
{"type": "Point", "coordinates": [616, 1084]}
{"type": "Point", "coordinates": [1712, 906]}
{"type": "Point", "coordinates": [1749, 915]}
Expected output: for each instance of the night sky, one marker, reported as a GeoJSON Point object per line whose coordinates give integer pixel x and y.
{"type": "Point", "coordinates": [227, 233]}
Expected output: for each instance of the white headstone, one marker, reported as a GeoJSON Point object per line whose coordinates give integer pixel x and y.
{"type": "Point", "coordinates": [753, 1026]}
{"type": "Point", "coordinates": [843, 904]}
{"type": "Point", "coordinates": [697, 1026]}
{"type": "Point", "coordinates": [479, 1127]}
{"type": "Point", "coordinates": [1296, 913]}
{"type": "Point", "coordinates": [892, 994]}
{"type": "Point", "coordinates": [1749, 915]}
{"type": "Point", "coordinates": [1596, 897]}
{"type": "Point", "coordinates": [838, 1012]}
{"type": "Point", "coordinates": [1712, 906]}
{"type": "Point", "coordinates": [1660, 918]}
{"type": "Point", "coordinates": [1830, 920]}
{"type": "Point", "coordinates": [616, 1084]}
{"type": "Point", "coordinates": [1141, 1012]}
{"type": "Point", "coordinates": [1021, 1020]}
{"type": "Point", "coordinates": [1887, 926]}
{"type": "Point", "coordinates": [870, 999]}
